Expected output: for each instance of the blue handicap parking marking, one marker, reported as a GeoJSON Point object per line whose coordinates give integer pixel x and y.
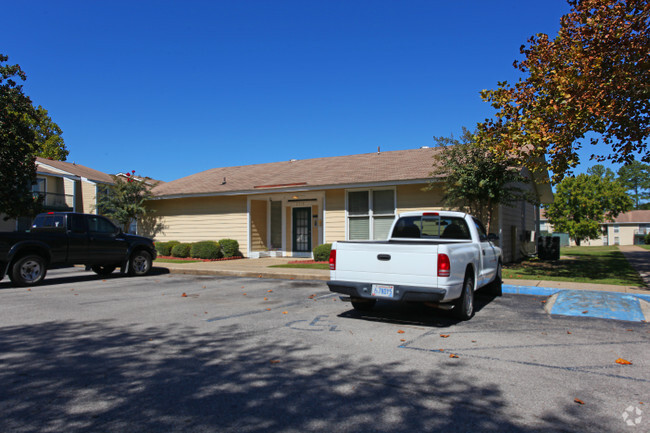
{"type": "Point", "coordinates": [606, 305]}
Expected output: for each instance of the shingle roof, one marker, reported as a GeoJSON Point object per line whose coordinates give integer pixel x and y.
{"type": "Point", "coordinates": [634, 216]}
{"type": "Point", "coordinates": [76, 169]}
{"type": "Point", "coordinates": [399, 165]}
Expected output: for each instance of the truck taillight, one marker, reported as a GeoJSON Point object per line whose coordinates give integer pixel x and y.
{"type": "Point", "coordinates": [332, 260]}
{"type": "Point", "coordinates": [444, 266]}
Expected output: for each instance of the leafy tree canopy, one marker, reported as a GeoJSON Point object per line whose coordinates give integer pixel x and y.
{"type": "Point", "coordinates": [476, 180]}
{"type": "Point", "coordinates": [125, 201]}
{"type": "Point", "coordinates": [582, 203]}
{"type": "Point", "coordinates": [635, 177]}
{"type": "Point", "coordinates": [25, 132]}
{"type": "Point", "coordinates": [592, 78]}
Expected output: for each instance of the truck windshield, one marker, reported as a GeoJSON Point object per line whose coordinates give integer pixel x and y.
{"type": "Point", "coordinates": [431, 227]}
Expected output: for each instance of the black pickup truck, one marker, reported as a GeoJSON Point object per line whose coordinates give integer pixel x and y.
{"type": "Point", "coordinates": [67, 238]}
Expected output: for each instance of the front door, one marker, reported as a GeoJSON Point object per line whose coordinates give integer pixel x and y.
{"type": "Point", "coordinates": [302, 229]}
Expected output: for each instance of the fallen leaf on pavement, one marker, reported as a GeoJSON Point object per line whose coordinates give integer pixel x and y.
{"type": "Point", "coordinates": [585, 312]}
{"type": "Point", "coordinates": [400, 332]}
{"type": "Point", "coordinates": [453, 356]}
{"type": "Point", "coordinates": [623, 361]}
{"type": "Point", "coordinates": [577, 400]}
{"type": "Point", "coordinates": [568, 332]}
{"type": "Point", "coordinates": [204, 287]}
{"type": "Point", "coordinates": [268, 309]}
{"type": "Point", "coordinates": [244, 294]}
{"type": "Point", "coordinates": [274, 361]}
{"type": "Point", "coordinates": [444, 335]}
{"type": "Point", "coordinates": [402, 340]}
{"type": "Point", "coordinates": [285, 312]}
{"type": "Point", "coordinates": [184, 295]}
{"type": "Point", "coordinates": [269, 291]}
{"type": "Point", "coordinates": [266, 299]}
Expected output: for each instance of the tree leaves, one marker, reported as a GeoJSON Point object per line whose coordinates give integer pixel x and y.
{"type": "Point", "coordinates": [592, 78]}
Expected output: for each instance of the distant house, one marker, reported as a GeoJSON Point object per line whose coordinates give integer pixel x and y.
{"type": "Point", "coordinates": [63, 186]}
{"type": "Point", "coordinates": [287, 208]}
{"type": "Point", "coordinates": [629, 228]}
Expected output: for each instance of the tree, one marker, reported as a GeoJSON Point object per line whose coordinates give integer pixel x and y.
{"type": "Point", "coordinates": [592, 78]}
{"type": "Point", "coordinates": [635, 177]}
{"type": "Point", "coordinates": [475, 179]}
{"type": "Point", "coordinates": [25, 132]}
{"type": "Point", "coordinates": [18, 145]}
{"type": "Point", "coordinates": [48, 137]}
{"type": "Point", "coordinates": [600, 171]}
{"type": "Point", "coordinates": [124, 201]}
{"type": "Point", "coordinates": [582, 203]}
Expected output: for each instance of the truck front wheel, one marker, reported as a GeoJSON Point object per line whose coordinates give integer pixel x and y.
{"type": "Point", "coordinates": [140, 263]}
{"type": "Point", "coordinates": [464, 306]}
{"type": "Point", "coordinates": [28, 271]}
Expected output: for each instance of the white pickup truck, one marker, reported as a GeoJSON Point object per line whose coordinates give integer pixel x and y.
{"type": "Point", "coordinates": [436, 257]}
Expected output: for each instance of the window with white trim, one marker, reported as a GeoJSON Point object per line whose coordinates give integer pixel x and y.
{"type": "Point", "coordinates": [370, 214]}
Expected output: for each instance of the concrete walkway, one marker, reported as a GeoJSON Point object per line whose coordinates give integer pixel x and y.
{"type": "Point", "coordinates": [260, 268]}
{"type": "Point", "coordinates": [639, 258]}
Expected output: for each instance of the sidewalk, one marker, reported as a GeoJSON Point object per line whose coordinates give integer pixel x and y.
{"type": "Point", "coordinates": [259, 268]}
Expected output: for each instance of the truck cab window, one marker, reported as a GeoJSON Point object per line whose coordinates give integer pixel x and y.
{"type": "Point", "coordinates": [100, 225]}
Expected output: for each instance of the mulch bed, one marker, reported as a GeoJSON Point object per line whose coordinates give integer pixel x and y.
{"type": "Point", "coordinates": [181, 259]}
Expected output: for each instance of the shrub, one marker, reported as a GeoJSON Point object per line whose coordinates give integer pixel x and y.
{"type": "Point", "coordinates": [165, 248]}
{"type": "Point", "coordinates": [322, 252]}
{"type": "Point", "coordinates": [205, 250]}
{"type": "Point", "coordinates": [229, 247]}
{"type": "Point", "coordinates": [647, 239]}
{"type": "Point", "coordinates": [181, 250]}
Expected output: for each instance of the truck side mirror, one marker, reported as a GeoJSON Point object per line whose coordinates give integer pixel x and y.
{"type": "Point", "coordinates": [492, 237]}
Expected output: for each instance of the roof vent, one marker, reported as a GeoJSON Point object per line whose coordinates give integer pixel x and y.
{"type": "Point", "coordinates": [293, 160]}
{"type": "Point", "coordinates": [424, 147]}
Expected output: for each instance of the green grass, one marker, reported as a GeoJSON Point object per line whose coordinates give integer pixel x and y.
{"type": "Point", "coordinates": [304, 266]}
{"type": "Point", "coordinates": [597, 265]}
{"type": "Point", "coordinates": [647, 247]}
{"type": "Point", "coordinates": [176, 261]}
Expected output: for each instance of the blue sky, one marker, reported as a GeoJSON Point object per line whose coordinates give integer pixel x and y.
{"type": "Point", "coordinates": [171, 88]}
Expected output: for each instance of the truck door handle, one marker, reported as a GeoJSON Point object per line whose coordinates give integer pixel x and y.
{"type": "Point", "coordinates": [483, 252]}
{"type": "Point", "coordinates": [383, 257]}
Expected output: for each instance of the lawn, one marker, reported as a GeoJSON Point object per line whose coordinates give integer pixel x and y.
{"type": "Point", "coordinates": [325, 266]}
{"type": "Point", "coordinates": [177, 261]}
{"type": "Point", "coordinates": [598, 265]}
{"type": "Point", "coordinates": [647, 247]}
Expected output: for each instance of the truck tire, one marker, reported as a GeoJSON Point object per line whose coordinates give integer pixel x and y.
{"type": "Point", "coordinates": [28, 271]}
{"type": "Point", "coordinates": [464, 306]}
{"type": "Point", "coordinates": [361, 304]}
{"type": "Point", "coordinates": [103, 270]}
{"type": "Point", "coordinates": [140, 263]}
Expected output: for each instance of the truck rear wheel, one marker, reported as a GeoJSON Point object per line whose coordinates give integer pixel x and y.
{"type": "Point", "coordinates": [28, 271]}
{"type": "Point", "coordinates": [140, 263]}
{"type": "Point", "coordinates": [361, 304]}
{"type": "Point", "coordinates": [464, 306]}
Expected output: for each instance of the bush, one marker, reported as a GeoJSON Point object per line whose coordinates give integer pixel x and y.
{"type": "Point", "coordinates": [647, 239]}
{"type": "Point", "coordinates": [229, 247]}
{"type": "Point", "coordinates": [165, 248]}
{"type": "Point", "coordinates": [322, 252]}
{"type": "Point", "coordinates": [205, 250]}
{"type": "Point", "coordinates": [181, 250]}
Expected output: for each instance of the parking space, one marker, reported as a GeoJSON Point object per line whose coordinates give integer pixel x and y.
{"type": "Point", "coordinates": [174, 352]}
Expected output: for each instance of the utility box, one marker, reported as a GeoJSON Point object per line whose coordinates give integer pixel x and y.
{"type": "Point", "coordinates": [548, 247]}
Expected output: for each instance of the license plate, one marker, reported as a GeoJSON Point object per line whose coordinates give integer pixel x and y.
{"type": "Point", "coordinates": [383, 291]}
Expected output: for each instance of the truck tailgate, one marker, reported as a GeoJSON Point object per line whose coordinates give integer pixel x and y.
{"type": "Point", "coordinates": [412, 264]}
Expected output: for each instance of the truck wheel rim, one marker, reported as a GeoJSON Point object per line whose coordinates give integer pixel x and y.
{"type": "Point", "coordinates": [469, 301]}
{"type": "Point", "coordinates": [140, 264]}
{"type": "Point", "coordinates": [30, 271]}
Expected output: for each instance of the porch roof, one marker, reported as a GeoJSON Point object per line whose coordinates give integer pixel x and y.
{"type": "Point", "coordinates": [378, 167]}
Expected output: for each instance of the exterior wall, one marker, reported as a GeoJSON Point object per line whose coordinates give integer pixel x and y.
{"type": "Point", "coordinates": [259, 230]}
{"type": "Point", "coordinates": [414, 198]}
{"type": "Point", "coordinates": [314, 228]}
{"type": "Point", "coordinates": [288, 213]}
{"type": "Point", "coordinates": [514, 226]}
{"type": "Point", "coordinates": [202, 218]}
{"type": "Point", "coordinates": [334, 215]}
{"type": "Point", "coordinates": [88, 197]}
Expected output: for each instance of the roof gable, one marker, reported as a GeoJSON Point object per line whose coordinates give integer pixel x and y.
{"type": "Point", "coordinates": [74, 169]}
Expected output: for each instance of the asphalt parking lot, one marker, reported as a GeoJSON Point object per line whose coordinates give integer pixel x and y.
{"type": "Point", "coordinates": [172, 353]}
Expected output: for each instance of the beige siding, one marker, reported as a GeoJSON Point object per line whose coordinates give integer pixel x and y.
{"type": "Point", "coordinates": [258, 225]}
{"type": "Point", "coordinates": [334, 215]}
{"type": "Point", "coordinates": [205, 218]}
{"type": "Point", "coordinates": [88, 197]}
{"type": "Point", "coordinates": [415, 198]}
{"type": "Point", "coordinates": [314, 228]}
